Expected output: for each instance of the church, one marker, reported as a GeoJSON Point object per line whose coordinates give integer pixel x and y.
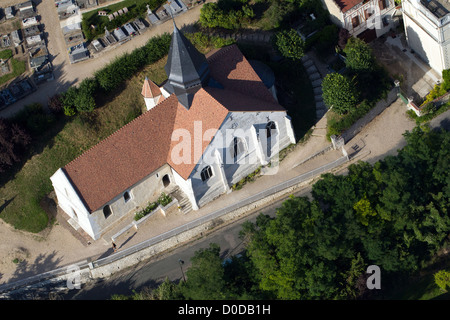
{"type": "Point", "coordinates": [210, 124]}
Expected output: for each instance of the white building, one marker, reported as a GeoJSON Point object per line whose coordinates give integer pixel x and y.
{"type": "Point", "coordinates": [364, 18]}
{"type": "Point", "coordinates": [209, 125]}
{"type": "Point", "coordinates": [427, 28]}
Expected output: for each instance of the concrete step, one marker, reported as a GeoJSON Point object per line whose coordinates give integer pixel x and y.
{"type": "Point", "coordinates": [321, 105]}
{"type": "Point", "coordinates": [314, 76]}
{"type": "Point", "coordinates": [306, 58]}
{"type": "Point", "coordinates": [308, 63]}
{"type": "Point", "coordinates": [318, 90]}
{"type": "Point", "coordinates": [311, 69]}
{"type": "Point", "coordinates": [317, 83]}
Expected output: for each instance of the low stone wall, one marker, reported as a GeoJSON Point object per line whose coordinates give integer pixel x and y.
{"type": "Point", "coordinates": [86, 271]}
{"type": "Point", "coordinates": [374, 112]}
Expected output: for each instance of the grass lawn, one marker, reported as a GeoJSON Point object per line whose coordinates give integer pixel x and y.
{"type": "Point", "coordinates": [28, 183]}
{"type": "Point", "coordinates": [18, 67]}
{"type": "Point", "coordinates": [6, 54]}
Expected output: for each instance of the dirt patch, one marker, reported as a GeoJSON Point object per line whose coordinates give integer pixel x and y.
{"type": "Point", "coordinates": [14, 257]}
{"type": "Point", "coordinates": [393, 53]}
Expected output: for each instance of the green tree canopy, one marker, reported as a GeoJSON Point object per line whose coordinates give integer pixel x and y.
{"type": "Point", "coordinates": [359, 56]}
{"type": "Point", "coordinates": [205, 278]}
{"type": "Point", "coordinates": [290, 44]}
{"type": "Point", "coordinates": [339, 92]}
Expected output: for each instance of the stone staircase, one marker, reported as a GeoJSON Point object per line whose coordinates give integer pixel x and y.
{"type": "Point", "coordinates": [316, 81]}
{"type": "Point", "coordinates": [182, 199]}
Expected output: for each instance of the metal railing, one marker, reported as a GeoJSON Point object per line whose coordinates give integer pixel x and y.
{"type": "Point", "coordinates": [217, 214]}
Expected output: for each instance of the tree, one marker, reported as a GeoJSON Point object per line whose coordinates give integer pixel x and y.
{"type": "Point", "coordinates": [359, 55]}
{"type": "Point", "coordinates": [442, 279]}
{"type": "Point", "coordinates": [13, 141]}
{"type": "Point", "coordinates": [205, 278]}
{"type": "Point", "coordinates": [69, 98]}
{"type": "Point", "coordinates": [339, 92]}
{"type": "Point", "coordinates": [290, 44]}
{"type": "Point", "coordinates": [292, 254]}
{"type": "Point", "coordinates": [225, 14]}
{"type": "Point", "coordinates": [166, 291]}
{"type": "Point", "coordinates": [55, 104]}
{"type": "Point", "coordinates": [34, 118]}
{"type": "Point", "coordinates": [85, 101]}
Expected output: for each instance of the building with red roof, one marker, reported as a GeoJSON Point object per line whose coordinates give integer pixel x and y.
{"type": "Point", "coordinates": [209, 125]}
{"type": "Point", "coordinates": [367, 19]}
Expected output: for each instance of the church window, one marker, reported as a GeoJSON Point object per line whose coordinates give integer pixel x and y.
{"type": "Point", "coordinates": [107, 211]}
{"type": "Point", "coordinates": [126, 196]}
{"type": "Point", "coordinates": [206, 173]}
{"type": "Point", "coordinates": [237, 147]}
{"type": "Point", "coordinates": [270, 126]}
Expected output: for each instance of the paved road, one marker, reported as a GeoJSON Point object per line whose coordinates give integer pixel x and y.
{"type": "Point", "coordinates": [155, 270]}
{"type": "Point", "coordinates": [442, 120]}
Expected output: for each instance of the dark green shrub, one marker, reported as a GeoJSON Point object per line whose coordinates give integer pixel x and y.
{"type": "Point", "coordinates": [164, 199]}
{"type": "Point", "coordinates": [446, 77]}
{"type": "Point", "coordinates": [289, 44]}
{"type": "Point", "coordinates": [124, 67]}
{"type": "Point", "coordinates": [34, 119]}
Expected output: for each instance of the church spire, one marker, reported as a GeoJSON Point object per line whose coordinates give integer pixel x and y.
{"type": "Point", "coordinates": [186, 68]}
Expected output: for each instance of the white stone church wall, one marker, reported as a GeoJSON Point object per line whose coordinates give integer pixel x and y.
{"type": "Point", "coordinates": [239, 124]}
{"type": "Point", "coordinates": [145, 191]}
{"type": "Point", "coordinates": [95, 223]}
{"type": "Point", "coordinates": [70, 203]}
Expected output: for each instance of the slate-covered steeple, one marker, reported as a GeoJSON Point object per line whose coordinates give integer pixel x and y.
{"type": "Point", "coordinates": [186, 68]}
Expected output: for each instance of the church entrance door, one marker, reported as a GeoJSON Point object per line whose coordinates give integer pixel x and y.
{"type": "Point", "coordinates": [166, 181]}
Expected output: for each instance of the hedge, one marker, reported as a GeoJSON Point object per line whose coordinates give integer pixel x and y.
{"type": "Point", "coordinates": [124, 67]}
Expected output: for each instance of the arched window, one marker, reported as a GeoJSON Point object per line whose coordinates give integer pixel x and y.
{"type": "Point", "coordinates": [237, 147]}
{"type": "Point", "coordinates": [206, 173]}
{"type": "Point", "coordinates": [107, 211]}
{"type": "Point", "coordinates": [126, 196]}
{"type": "Point", "coordinates": [270, 126]}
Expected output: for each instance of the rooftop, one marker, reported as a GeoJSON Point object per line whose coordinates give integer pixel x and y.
{"type": "Point", "coordinates": [440, 8]}
{"type": "Point", "coordinates": [144, 145]}
{"type": "Point", "coordinates": [346, 5]}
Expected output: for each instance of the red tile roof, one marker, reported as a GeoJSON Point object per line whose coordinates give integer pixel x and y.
{"type": "Point", "coordinates": [346, 5]}
{"type": "Point", "coordinates": [229, 66]}
{"type": "Point", "coordinates": [124, 158]}
{"type": "Point", "coordinates": [142, 146]}
{"type": "Point", "coordinates": [150, 89]}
